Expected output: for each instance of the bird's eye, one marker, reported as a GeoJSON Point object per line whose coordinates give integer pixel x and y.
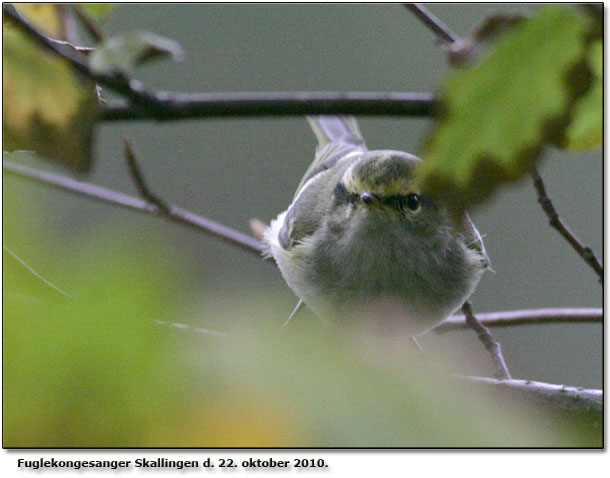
{"type": "Point", "coordinates": [413, 202]}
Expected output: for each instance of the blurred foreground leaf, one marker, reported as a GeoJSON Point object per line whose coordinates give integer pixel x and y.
{"type": "Point", "coordinates": [497, 114]}
{"type": "Point", "coordinates": [45, 17]}
{"type": "Point", "coordinates": [97, 370]}
{"type": "Point", "coordinates": [96, 11]}
{"type": "Point", "coordinates": [46, 106]}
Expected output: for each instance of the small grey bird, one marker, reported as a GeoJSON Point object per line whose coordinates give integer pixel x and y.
{"type": "Point", "coordinates": [359, 245]}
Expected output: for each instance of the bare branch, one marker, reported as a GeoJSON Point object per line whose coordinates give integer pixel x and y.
{"type": "Point", "coordinates": [560, 397]}
{"type": "Point", "coordinates": [119, 199]}
{"type": "Point", "coordinates": [138, 179]}
{"type": "Point", "coordinates": [490, 344]}
{"type": "Point", "coordinates": [174, 106]}
{"type": "Point", "coordinates": [524, 317]}
{"type": "Point", "coordinates": [144, 104]}
{"type": "Point", "coordinates": [556, 222]}
{"type": "Point", "coordinates": [441, 30]}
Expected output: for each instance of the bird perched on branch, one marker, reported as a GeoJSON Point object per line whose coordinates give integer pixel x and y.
{"type": "Point", "coordinates": [360, 245]}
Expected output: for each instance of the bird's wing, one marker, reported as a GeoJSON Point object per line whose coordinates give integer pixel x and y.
{"type": "Point", "coordinates": [339, 144]}
{"type": "Point", "coordinates": [337, 137]}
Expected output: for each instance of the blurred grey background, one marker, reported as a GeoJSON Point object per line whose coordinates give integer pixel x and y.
{"type": "Point", "coordinates": [232, 170]}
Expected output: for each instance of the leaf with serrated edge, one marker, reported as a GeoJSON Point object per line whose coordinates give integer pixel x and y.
{"type": "Point", "coordinates": [587, 128]}
{"type": "Point", "coordinates": [497, 114]}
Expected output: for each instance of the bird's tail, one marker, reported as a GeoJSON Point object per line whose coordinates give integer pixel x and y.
{"type": "Point", "coordinates": [336, 129]}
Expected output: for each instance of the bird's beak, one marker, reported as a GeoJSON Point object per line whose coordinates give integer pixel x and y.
{"type": "Point", "coordinates": [370, 200]}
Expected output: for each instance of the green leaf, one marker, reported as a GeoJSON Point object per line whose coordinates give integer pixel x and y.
{"type": "Point", "coordinates": [124, 52]}
{"type": "Point", "coordinates": [586, 131]}
{"type": "Point", "coordinates": [46, 107]}
{"type": "Point", "coordinates": [497, 114]}
{"type": "Point", "coordinates": [96, 11]}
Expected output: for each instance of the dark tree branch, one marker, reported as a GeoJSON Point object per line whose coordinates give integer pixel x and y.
{"type": "Point", "coordinates": [138, 179]}
{"type": "Point", "coordinates": [119, 199]}
{"type": "Point", "coordinates": [490, 344]}
{"type": "Point", "coordinates": [525, 317]}
{"type": "Point", "coordinates": [441, 30]}
{"type": "Point", "coordinates": [557, 223]}
{"type": "Point", "coordinates": [144, 104]}
{"type": "Point", "coordinates": [176, 106]}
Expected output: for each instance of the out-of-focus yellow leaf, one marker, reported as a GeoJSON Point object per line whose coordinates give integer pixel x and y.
{"type": "Point", "coordinates": [46, 106]}
{"type": "Point", "coordinates": [586, 131]}
{"type": "Point", "coordinates": [45, 17]}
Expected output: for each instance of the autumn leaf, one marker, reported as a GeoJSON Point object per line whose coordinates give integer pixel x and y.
{"type": "Point", "coordinates": [46, 106]}
{"type": "Point", "coordinates": [498, 113]}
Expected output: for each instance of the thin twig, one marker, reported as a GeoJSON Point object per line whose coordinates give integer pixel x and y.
{"type": "Point", "coordinates": [525, 317]}
{"type": "Point", "coordinates": [138, 179]}
{"type": "Point", "coordinates": [490, 344]}
{"type": "Point", "coordinates": [176, 106]}
{"type": "Point", "coordinates": [557, 223]}
{"type": "Point", "coordinates": [441, 30]}
{"type": "Point", "coordinates": [559, 397]}
{"type": "Point", "coordinates": [119, 199]}
{"type": "Point", "coordinates": [36, 274]}
{"type": "Point", "coordinates": [94, 30]}
{"type": "Point", "coordinates": [192, 328]}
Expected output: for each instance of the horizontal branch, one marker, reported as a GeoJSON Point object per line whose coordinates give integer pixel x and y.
{"type": "Point", "coordinates": [493, 319]}
{"type": "Point", "coordinates": [108, 196]}
{"type": "Point", "coordinates": [173, 106]}
{"type": "Point", "coordinates": [525, 317]}
{"type": "Point", "coordinates": [560, 397]}
{"type": "Point", "coordinates": [164, 105]}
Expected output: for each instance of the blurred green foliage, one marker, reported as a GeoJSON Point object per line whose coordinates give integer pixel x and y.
{"type": "Point", "coordinates": [97, 370]}
{"type": "Point", "coordinates": [97, 11]}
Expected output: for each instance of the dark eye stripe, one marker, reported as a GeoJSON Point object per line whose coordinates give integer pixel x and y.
{"type": "Point", "coordinates": [342, 194]}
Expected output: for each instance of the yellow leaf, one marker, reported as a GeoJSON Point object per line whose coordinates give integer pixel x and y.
{"type": "Point", "coordinates": [46, 107]}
